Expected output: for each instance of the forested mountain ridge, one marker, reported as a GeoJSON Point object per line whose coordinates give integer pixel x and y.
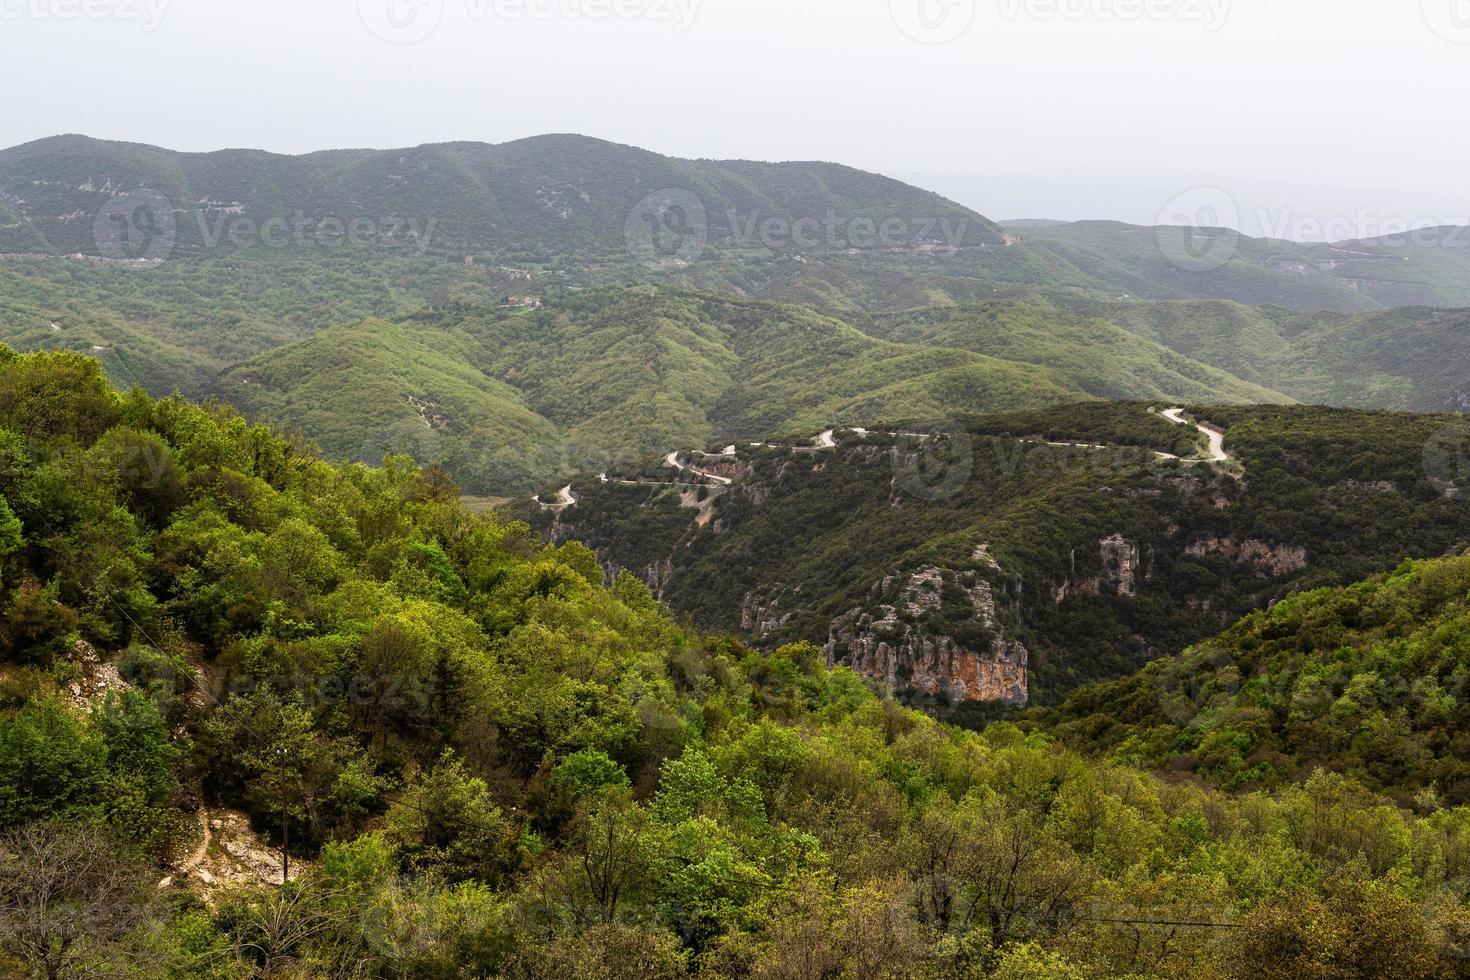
{"type": "Point", "coordinates": [589, 211]}
{"type": "Point", "coordinates": [1093, 554]}
{"type": "Point", "coordinates": [1425, 267]}
{"type": "Point", "coordinates": [560, 194]}
{"type": "Point", "coordinates": [455, 342]}
{"type": "Point", "coordinates": [491, 765]}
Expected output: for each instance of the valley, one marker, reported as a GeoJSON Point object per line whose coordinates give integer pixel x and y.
{"type": "Point", "coordinates": [578, 561]}
{"type": "Point", "coordinates": [436, 687]}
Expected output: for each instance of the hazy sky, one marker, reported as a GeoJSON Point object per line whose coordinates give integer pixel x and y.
{"type": "Point", "coordinates": [1302, 110]}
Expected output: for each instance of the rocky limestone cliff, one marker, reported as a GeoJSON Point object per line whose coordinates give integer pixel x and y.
{"type": "Point", "coordinates": [1122, 569]}
{"type": "Point", "coordinates": [1276, 560]}
{"type": "Point", "coordinates": [895, 642]}
{"type": "Point", "coordinates": [760, 615]}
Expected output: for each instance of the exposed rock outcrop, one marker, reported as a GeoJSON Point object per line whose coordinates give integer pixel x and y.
{"type": "Point", "coordinates": [1276, 560]}
{"type": "Point", "coordinates": [725, 465]}
{"type": "Point", "coordinates": [95, 680]}
{"type": "Point", "coordinates": [430, 411]}
{"type": "Point", "coordinates": [657, 577]}
{"type": "Point", "coordinates": [901, 643]}
{"type": "Point", "coordinates": [230, 855]}
{"type": "Point", "coordinates": [761, 616]}
{"type": "Point", "coordinates": [1120, 564]}
{"type": "Point", "coordinates": [1120, 574]}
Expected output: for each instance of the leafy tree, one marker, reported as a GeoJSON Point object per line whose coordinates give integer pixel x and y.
{"type": "Point", "coordinates": [140, 758]}
{"type": "Point", "coordinates": [610, 851]}
{"type": "Point", "coordinates": [586, 772]}
{"type": "Point", "coordinates": [51, 765]}
{"type": "Point", "coordinates": [446, 825]}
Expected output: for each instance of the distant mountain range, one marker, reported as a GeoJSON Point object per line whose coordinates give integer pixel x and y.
{"type": "Point", "coordinates": [558, 194]}
{"type": "Point", "coordinates": [523, 311]}
{"type": "Point", "coordinates": [1429, 267]}
{"type": "Point", "coordinates": [594, 211]}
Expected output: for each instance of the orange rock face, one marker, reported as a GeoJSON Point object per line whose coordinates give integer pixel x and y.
{"type": "Point", "coordinates": [902, 657]}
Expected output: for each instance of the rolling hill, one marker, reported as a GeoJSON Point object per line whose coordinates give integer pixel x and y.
{"type": "Point", "coordinates": [1103, 358]}
{"type": "Point", "coordinates": [1411, 359]}
{"type": "Point", "coordinates": [1422, 268]}
{"type": "Point", "coordinates": [600, 379]}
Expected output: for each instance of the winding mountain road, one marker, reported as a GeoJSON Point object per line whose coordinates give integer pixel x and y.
{"type": "Point", "coordinates": [672, 459]}
{"type": "Point", "coordinates": [564, 499]}
{"type": "Point", "coordinates": [1215, 436]}
{"type": "Point", "coordinates": [828, 440]}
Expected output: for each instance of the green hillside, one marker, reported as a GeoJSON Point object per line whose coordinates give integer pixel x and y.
{"type": "Point", "coordinates": [488, 764]}
{"type": "Point", "coordinates": [365, 391]}
{"type": "Point", "coordinates": [1367, 680]}
{"type": "Point", "coordinates": [1409, 359]}
{"type": "Point", "coordinates": [1098, 356]}
{"type": "Point", "coordinates": [616, 375]}
{"type": "Point", "coordinates": [172, 326]}
{"type": "Point", "coordinates": [1425, 268]}
{"type": "Point", "coordinates": [1313, 497]}
{"type": "Point", "coordinates": [603, 379]}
